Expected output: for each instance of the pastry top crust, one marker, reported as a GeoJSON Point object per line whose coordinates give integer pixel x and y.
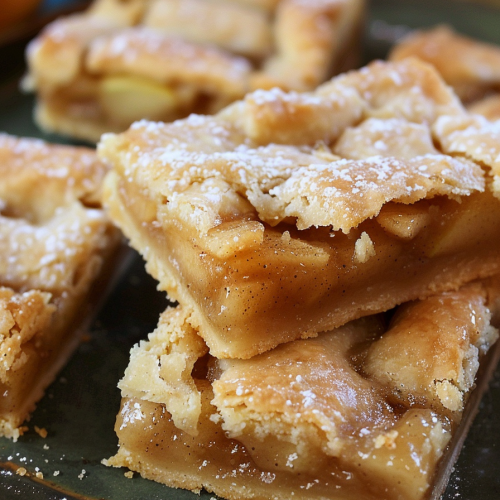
{"type": "Point", "coordinates": [470, 66]}
{"type": "Point", "coordinates": [308, 34]}
{"type": "Point", "coordinates": [431, 349]}
{"type": "Point", "coordinates": [52, 226]}
{"type": "Point", "coordinates": [371, 142]}
{"type": "Point", "coordinates": [168, 59]}
{"type": "Point", "coordinates": [473, 137]}
{"type": "Point", "coordinates": [233, 26]}
{"type": "Point", "coordinates": [38, 177]}
{"type": "Point", "coordinates": [161, 367]}
{"type": "Point", "coordinates": [57, 57]}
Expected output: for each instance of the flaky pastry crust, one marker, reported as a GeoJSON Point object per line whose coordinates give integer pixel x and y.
{"type": "Point", "coordinates": [470, 66]}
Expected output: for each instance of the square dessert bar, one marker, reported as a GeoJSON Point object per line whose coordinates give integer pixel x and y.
{"type": "Point", "coordinates": [470, 66]}
{"type": "Point", "coordinates": [55, 242]}
{"type": "Point", "coordinates": [365, 411]}
{"type": "Point", "coordinates": [118, 62]}
{"type": "Point", "coordinates": [288, 214]}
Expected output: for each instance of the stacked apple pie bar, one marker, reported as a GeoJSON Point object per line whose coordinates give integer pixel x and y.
{"type": "Point", "coordinates": [333, 254]}
{"type": "Point", "coordinates": [55, 240]}
{"type": "Point", "coordinates": [121, 61]}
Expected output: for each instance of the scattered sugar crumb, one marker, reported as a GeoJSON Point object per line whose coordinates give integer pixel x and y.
{"type": "Point", "coordinates": [42, 432]}
{"type": "Point", "coordinates": [82, 474]}
{"type": "Point", "coordinates": [46, 447]}
{"type": "Point", "coordinates": [21, 471]}
{"type": "Point", "coordinates": [56, 473]}
{"type": "Point", "coordinates": [388, 440]}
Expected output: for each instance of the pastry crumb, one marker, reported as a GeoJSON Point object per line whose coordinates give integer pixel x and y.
{"type": "Point", "coordinates": [42, 432]}
{"type": "Point", "coordinates": [129, 474]}
{"type": "Point", "coordinates": [364, 248]}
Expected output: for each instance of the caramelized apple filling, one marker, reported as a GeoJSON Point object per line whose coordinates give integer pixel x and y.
{"type": "Point", "coordinates": [363, 411]}
{"type": "Point", "coordinates": [126, 98]}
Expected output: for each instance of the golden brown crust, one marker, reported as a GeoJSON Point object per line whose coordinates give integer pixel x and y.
{"type": "Point", "coordinates": [470, 66]}
{"type": "Point", "coordinates": [22, 316]}
{"type": "Point", "coordinates": [233, 26]}
{"type": "Point", "coordinates": [161, 368]}
{"type": "Point", "coordinates": [306, 35]}
{"type": "Point", "coordinates": [56, 59]}
{"type": "Point", "coordinates": [430, 353]}
{"type": "Point", "coordinates": [473, 137]}
{"type": "Point", "coordinates": [35, 176]}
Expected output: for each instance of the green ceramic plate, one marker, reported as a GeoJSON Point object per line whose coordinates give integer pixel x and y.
{"type": "Point", "coordinates": [79, 408]}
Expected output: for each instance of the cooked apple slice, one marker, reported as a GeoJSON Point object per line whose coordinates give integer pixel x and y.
{"type": "Point", "coordinates": [130, 98]}
{"type": "Point", "coordinates": [466, 223]}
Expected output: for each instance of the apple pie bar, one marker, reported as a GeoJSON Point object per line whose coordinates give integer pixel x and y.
{"type": "Point", "coordinates": [118, 62]}
{"type": "Point", "coordinates": [364, 412]}
{"type": "Point", "coordinates": [470, 66]}
{"type": "Point", "coordinates": [288, 214]}
{"type": "Point", "coordinates": [55, 240]}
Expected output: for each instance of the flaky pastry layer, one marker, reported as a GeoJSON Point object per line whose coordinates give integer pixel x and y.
{"type": "Point", "coordinates": [470, 66]}
{"type": "Point", "coordinates": [54, 242]}
{"type": "Point", "coordinates": [115, 63]}
{"type": "Point", "coordinates": [358, 412]}
{"type": "Point", "coordinates": [292, 213]}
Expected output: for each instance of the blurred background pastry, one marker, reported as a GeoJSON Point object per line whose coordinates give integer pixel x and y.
{"type": "Point", "coordinates": [118, 62]}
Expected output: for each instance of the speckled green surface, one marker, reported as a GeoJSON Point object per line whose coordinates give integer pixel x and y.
{"type": "Point", "coordinates": [80, 406]}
